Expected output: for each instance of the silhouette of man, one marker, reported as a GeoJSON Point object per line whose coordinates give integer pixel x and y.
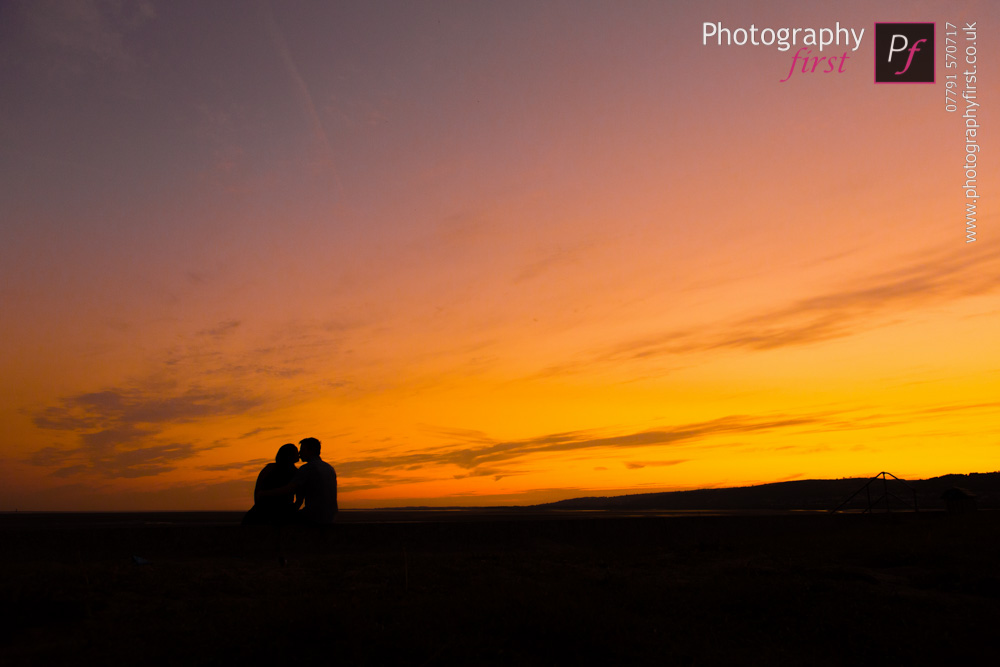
{"type": "Point", "coordinates": [316, 485]}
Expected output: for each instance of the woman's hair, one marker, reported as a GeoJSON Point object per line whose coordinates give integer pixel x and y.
{"type": "Point", "coordinates": [287, 455]}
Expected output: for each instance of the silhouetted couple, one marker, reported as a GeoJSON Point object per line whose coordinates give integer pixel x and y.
{"type": "Point", "coordinates": [282, 489]}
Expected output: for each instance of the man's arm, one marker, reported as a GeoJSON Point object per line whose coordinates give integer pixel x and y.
{"type": "Point", "coordinates": [282, 490]}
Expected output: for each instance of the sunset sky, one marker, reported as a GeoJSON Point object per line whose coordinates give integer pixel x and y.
{"type": "Point", "coordinates": [486, 252]}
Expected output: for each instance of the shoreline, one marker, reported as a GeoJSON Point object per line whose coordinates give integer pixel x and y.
{"type": "Point", "coordinates": [62, 519]}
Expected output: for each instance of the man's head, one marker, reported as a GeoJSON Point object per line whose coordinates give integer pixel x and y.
{"type": "Point", "coordinates": [309, 449]}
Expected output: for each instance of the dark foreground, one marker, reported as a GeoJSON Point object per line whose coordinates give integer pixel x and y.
{"type": "Point", "coordinates": [701, 590]}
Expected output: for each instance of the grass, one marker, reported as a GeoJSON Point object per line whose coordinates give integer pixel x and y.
{"type": "Point", "coordinates": [790, 590]}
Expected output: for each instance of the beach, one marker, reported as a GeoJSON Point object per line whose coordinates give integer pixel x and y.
{"type": "Point", "coordinates": [502, 587]}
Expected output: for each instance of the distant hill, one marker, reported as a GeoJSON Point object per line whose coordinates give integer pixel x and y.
{"type": "Point", "coordinates": [811, 494]}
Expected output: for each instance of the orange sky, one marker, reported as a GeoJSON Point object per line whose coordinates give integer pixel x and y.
{"type": "Point", "coordinates": [488, 253]}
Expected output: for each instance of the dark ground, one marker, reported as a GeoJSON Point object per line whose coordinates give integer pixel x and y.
{"type": "Point", "coordinates": [493, 588]}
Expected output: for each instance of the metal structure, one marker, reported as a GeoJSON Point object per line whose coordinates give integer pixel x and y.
{"type": "Point", "coordinates": [886, 494]}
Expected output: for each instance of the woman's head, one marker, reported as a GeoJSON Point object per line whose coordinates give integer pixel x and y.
{"type": "Point", "coordinates": [287, 455]}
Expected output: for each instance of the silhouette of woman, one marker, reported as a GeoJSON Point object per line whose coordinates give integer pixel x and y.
{"type": "Point", "coordinates": [280, 509]}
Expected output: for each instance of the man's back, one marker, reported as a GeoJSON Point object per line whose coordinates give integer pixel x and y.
{"type": "Point", "coordinates": [319, 488]}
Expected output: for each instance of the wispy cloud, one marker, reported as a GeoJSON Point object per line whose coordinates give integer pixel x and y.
{"type": "Point", "coordinates": [482, 459]}
{"type": "Point", "coordinates": [113, 460]}
{"type": "Point", "coordinates": [124, 409]}
{"type": "Point", "coordinates": [551, 259]}
{"type": "Point", "coordinates": [496, 473]}
{"type": "Point", "coordinates": [257, 431]}
{"type": "Point", "coordinates": [202, 377]}
{"type": "Point", "coordinates": [301, 89]}
{"type": "Point", "coordinates": [221, 330]}
{"type": "Point", "coordinates": [859, 305]}
{"type": "Point", "coordinates": [118, 430]}
{"type": "Point", "coordinates": [638, 465]}
{"type": "Point", "coordinates": [252, 464]}
{"type": "Point", "coordinates": [479, 456]}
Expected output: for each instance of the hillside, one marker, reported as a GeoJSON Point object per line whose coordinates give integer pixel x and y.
{"type": "Point", "coordinates": [812, 494]}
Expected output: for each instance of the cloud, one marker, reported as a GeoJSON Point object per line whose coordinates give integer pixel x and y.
{"type": "Point", "coordinates": [552, 260]}
{"type": "Point", "coordinates": [638, 465]}
{"type": "Point", "coordinates": [296, 349]}
{"type": "Point", "coordinates": [69, 471]}
{"type": "Point", "coordinates": [118, 430]}
{"type": "Point", "coordinates": [301, 89]}
{"type": "Point", "coordinates": [496, 473]}
{"type": "Point", "coordinates": [198, 379]}
{"type": "Point", "coordinates": [926, 280]}
{"type": "Point", "coordinates": [477, 455]}
{"type": "Point", "coordinates": [148, 461]}
{"type": "Point", "coordinates": [253, 464]}
{"type": "Point", "coordinates": [460, 434]}
{"type": "Point", "coordinates": [129, 407]}
{"type": "Point", "coordinates": [585, 440]}
{"type": "Point", "coordinates": [257, 431]}
{"type": "Point", "coordinates": [221, 330]}
{"type": "Point", "coordinates": [108, 439]}
{"type": "Point", "coordinates": [483, 458]}
{"type": "Point", "coordinates": [960, 407]}
{"type": "Point", "coordinates": [145, 461]}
